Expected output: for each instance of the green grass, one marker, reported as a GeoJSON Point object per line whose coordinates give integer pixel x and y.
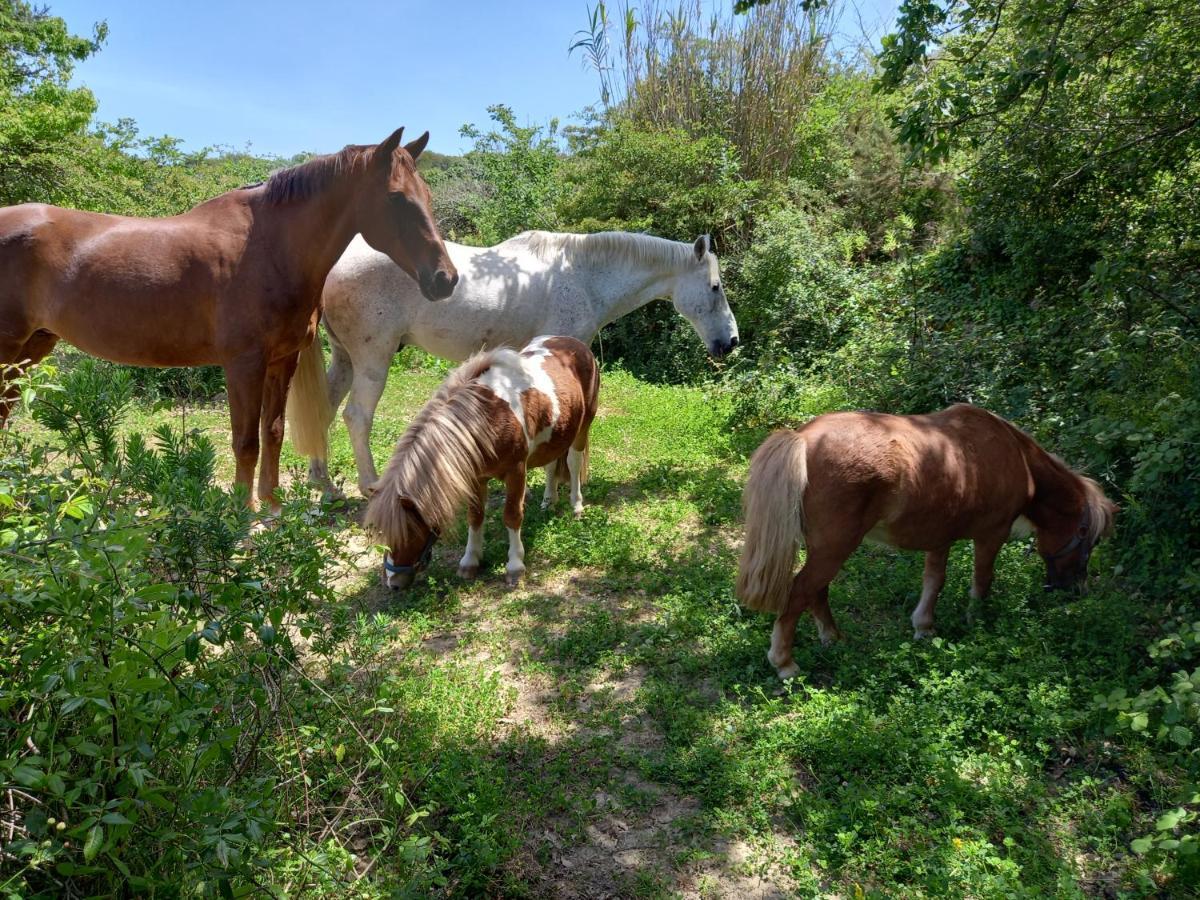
{"type": "Point", "coordinates": [614, 725]}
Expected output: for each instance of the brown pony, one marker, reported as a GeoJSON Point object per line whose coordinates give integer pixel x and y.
{"type": "Point", "coordinates": [235, 282]}
{"type": "Point", "coordinates": [913, 482]}
{"type": "Point", "coordinates": [497, 414]}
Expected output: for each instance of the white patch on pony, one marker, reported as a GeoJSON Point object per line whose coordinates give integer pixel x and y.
{"type": "Point", "coordinates": [1021, 528]}
{"type": "Point", "coordinates": [511, 374]}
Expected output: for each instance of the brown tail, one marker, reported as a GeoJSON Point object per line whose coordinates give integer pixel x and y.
{"type": "Point", "coordinates": [774, 506]}
{"type": "Point", "coordinates": [308, 411]}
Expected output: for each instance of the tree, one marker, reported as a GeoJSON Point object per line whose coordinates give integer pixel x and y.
{"type": "Point", "coordinates": [43, 121]}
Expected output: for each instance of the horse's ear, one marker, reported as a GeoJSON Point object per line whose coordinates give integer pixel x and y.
{"type": "Point", "coordinates": [414, 148]}
{"type": "Point", "coordinates": [386, 147]}
{"type": "Point", "coordinates": [702, 246]}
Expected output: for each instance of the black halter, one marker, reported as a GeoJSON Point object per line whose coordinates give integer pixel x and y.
{"type": "Point", "coordinates": [1077, 540]}
{"type": "Point", "coordinates": [422, 560]}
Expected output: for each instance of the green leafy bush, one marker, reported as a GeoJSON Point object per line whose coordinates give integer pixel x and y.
{"type": "Point", "coordinates": [145, 651]}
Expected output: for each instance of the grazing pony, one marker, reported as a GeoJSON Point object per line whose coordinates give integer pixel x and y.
{"type": "Point", "coordinates": [234, 282]}
{"type": "Point", "coordinates": [498, 413]}
{"type": "Point", "coordinates": [912, 482]}
{"type": "Point", "coordinates": [536, 283]}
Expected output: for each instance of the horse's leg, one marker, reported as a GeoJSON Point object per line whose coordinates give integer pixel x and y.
{"type": "Point", "coordinates": [17, 356]}
{"type": "Point", "coordinates": [468, 566]}
{"type": "Point", "coordinates": [550, 496]}
{"type": "Point", "coordinates": [275, 388]}
{"type": "Point", "coordinates": [337, 383]}
{"type": "Point", "coordinates": [244, 381]}
{"type": "Point", "coordinates": [931, 587]}
{"type": "Point", "coordinates": [514, 513]}
{"type": "Point", "coordinates": [575, 467]}
{"type": "Point", "coordinates": [810, 589]}
{"type": "Point", "coordinates": [986, 550]}
{"type": "Point", "coordinates": [827, 629]}
{"type": "Point", "coordinates": [370, 377]}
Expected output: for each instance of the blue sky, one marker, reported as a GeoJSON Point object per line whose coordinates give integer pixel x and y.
{"type": "Point", "coordinates": [285, 77]}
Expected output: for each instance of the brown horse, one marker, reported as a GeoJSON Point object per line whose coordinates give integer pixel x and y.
{"type": "Point", "coordinates": [913, 482]}
{"type": "Point", "coordinates": [235, 282]}
{"type": "Point", "coordinates": [498, 413]}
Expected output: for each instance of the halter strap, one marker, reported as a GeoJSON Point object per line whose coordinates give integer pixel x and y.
{"type": "Point", "coordinates": [1085, 527]}
{"type": "Point", "coordinates": [422, 560]}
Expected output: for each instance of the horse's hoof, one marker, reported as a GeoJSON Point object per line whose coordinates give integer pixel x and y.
{"type": "Point", "coordinates": [513, 579]}
{"type": "Point", "coordinates": [546, 504]}
{"type": "Point", "coordinates": [368, 490]}
{"type": "Point", "coordinates": [788, 672]}
{"type": "Point", "coordinates": [468, 573]}
{"type": "Point", "coordinates": [577, 512]}
{"type": "Point", "coordinates": [920, 634]}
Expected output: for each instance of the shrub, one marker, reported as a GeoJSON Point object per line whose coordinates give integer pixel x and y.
{"type": "Point", "coordinates": [145, 651]}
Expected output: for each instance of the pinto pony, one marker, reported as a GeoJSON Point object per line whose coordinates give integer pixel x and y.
{"type": "Point", "coordinates": [539, 282]}
{"type": "Point", "coordinates": [235, 282]}
{"type": "Point", "coordinates": [496, 415]}
{"type": "Point", "coordinates": [912, 482]}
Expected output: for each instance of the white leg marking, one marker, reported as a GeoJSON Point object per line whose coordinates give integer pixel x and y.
{"type": "Point", "coordinates": [468, 566]}
{"type": "Point", "coordinates": [516, 557]}
{"type": "Point", "coordinates": [922, 617]}
{"type": "Point", "coordinates": [780, 657]}
{"type": "Point", "coordinates": [827, 634]}
{"type": "Point", "coordinates": [575, 465]}
{"type": "Point", "coordinates": [550, 497]}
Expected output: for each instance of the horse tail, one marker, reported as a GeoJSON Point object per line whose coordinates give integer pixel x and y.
{"type": "Point", "coordinates": [774, 505]}
{"type": "Point", "coordinates": [308, 411]}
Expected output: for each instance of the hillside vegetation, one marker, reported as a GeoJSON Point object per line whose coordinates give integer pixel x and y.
{"type": "Point", "coordinates": [1000, 206]}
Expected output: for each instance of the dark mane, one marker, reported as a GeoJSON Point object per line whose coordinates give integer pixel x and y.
{"type": "Point", "coordinates": [301, 181]}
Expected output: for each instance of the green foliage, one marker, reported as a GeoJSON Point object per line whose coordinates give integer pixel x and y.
{"type": "Point", "coordinates": [508, 183]}
{"type": "Point", "coordinates": [42, 118]}
{"type": "Point", "coordinates": [144, 654]}
{"type": "Point", "coordinates": [1167, 716]}
{"type": "Point", "coordinates": [663, 182]}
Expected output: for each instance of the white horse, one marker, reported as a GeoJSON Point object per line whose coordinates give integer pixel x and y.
{"type": "Point", "coordinates": [538, 282]}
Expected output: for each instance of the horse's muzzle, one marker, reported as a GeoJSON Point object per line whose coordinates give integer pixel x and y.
{"type": "Point", "coordinates": [440, 285]}
{"type": "Point", "coordinates": [723, 348]}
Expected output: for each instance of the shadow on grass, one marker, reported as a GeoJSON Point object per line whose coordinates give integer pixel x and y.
{"type": "Point", "coordinates": [932, 767]}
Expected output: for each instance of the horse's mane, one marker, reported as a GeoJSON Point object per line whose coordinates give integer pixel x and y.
{"type": "Point", "coordinates": [302, 181]}
{"type": "Point", "coordinates": [437, 461]}
{"type": "Point", "coordinates": [609, 246]}
{"type": "Point", "coordinates": [1102, 511]}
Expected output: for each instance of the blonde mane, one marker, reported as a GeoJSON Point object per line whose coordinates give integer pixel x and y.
{"type": "Point", "coordinates": [610, 246]}
{"type": "Point", "coordinates": [438, 459]}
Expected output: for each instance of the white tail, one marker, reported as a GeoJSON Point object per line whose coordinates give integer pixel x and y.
{"type": "Point", "coordinates": [774, 507]}
{"type": "Point", "coordinates": [308, 411]}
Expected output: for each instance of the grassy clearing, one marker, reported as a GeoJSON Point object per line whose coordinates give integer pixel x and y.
{"type": "Point", "coordinates": [613, 728]}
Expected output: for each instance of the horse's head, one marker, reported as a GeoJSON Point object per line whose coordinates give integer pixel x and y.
{"type": "Point", "coordinates": [410, 550]}
{"type": "Point", "coordinates": [1066, 543]}
{"type": "Point", "coordinates": [699, 297]}
{"type": "Point", "coordinates": [396, 216]}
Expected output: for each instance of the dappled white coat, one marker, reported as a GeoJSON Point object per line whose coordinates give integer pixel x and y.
{"type": "Point", "coordinates": [535, 283]}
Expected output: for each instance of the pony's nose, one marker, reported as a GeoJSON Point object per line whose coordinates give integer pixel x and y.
{"type": "Point", "coordinates": [733, 342]}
